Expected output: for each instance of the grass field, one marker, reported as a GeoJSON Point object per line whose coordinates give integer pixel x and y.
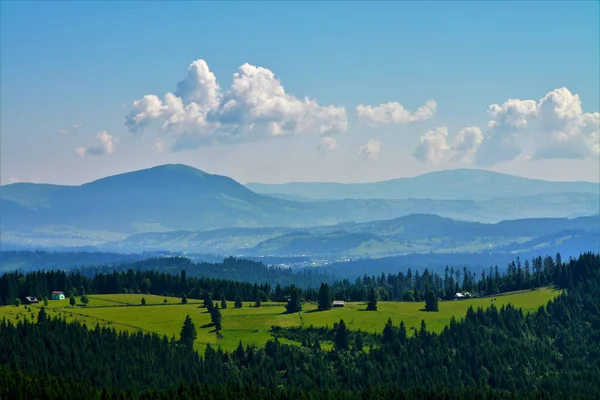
{"type": "Point", "coordinates": [252, 325]}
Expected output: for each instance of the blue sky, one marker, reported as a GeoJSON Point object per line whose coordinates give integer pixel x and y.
{"type": "Point", "coordinates": [68, 63]}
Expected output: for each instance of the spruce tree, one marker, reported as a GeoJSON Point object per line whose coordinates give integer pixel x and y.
{"type": "Point", "coordinates": [184, 299]}
{"type": "Point", "coordinates": [215, 316]}
{"type": "Point", "coordinates": [238, 302]}
{"type": "Point", "coordinates": [208, 302]}
{"type": "Point", "coordinates": [45, 301]}
{"type": "Point", "coordinates": [223, 303]}
{"type": "Point", "coordinates": [257, 302]}
{"type": "Point", "coordinates": [293, 304]}
{"type": "Point", "coordinates": [372, 306]}
{"type": "Point", "coordinates": [341, 336]}
{"type": "Point", "coordinates": [143, 301]}
{"type": "Point", "coordinates": [188, 332]}
{"type": "Point", "coordinates": [72, 301]}
{"type": "Point", "coordinates": [431, 300]}
{"type": "Point", "coordinates": [42, 317]}
{"type": "Point", "coordinates": [324, 297]}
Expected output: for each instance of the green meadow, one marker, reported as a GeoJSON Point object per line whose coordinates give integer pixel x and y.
{"type": "Point", "coordinates": [252, 325]}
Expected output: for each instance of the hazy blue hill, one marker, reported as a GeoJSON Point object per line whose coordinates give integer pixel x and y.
{"type": "Point", "coordinates": [430, 233]}
{"type": "Point", "coordinates": [418, 233]}
{"type": "Point", "coordinates": [471, 184]}
{"type": "Point", "coordinates": [181, 198]}
{"type": "Point", "coordinates": [161, 198]}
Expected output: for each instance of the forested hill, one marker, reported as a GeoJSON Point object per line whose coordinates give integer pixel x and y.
{"type": "Point", "coordinates": [553, 353]}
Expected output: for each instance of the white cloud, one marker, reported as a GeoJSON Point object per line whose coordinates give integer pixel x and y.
{"type": "Point", "coordinates": [327, 144]}
{"type": "Point", "coordinates": [435, 147]}
{"type": "Point", "coordinates": [63, 131]}
{"type": "Point", "coordinates": [371, 149]}
{"type": "Point", "coordinates": [565, 131]}
{"type": "Point", "coordinates": [106, 145]}
{"type": "Point", "coordinates": [553, 127]}
{"type": "Point", "coordinates": [255, 107]}
{"type": "Point", "coordinates": [78, 125]}
{"type": "Point", "coordinates": [159, 145]}
{"type": "Point", "coordinates": [394, 113]}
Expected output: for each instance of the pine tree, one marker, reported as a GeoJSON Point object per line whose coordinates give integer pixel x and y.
{"type": "Point", "coordinates": [143, 301]}
{"type": "Point", "coordinates": [223, 303]}
{"type": "Point", "coordinates": [84, 299]}
{"type": "Point", "coordinates": [324, 297]}
{"type": "Point", "coordinates": [184, 299]}
{"type": "Point", "coordinates": [42, 316]}
{"type": "Point", "coordinates": [358, 343]}
{"type": "Point", "coordinates": [215, 316]}
{"type": "Point", "coordinates": [17, 302]}
{"type": "Point", "coordinates": [72, 301]}
{"type": "Point", "coordinates": [188, 332]}
{"type": "Point", "coordinates": [431, 300]}
{"type": "Point", "coordinates": [208, 301]}
{"type": "Point", "coordinates": [238, 302]}
{"type": "Point", "coordinates": [45, 301]}
{"type": "Point", "coordinates": [257, 302]}
{"type": "Point", "coordinates": [372, 306]}
{"type": "Point", "coordinates": [341, 336]}
{"type": "Point", "coordinates": [293, 304]}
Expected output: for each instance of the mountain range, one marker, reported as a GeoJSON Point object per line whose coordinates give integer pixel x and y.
{"type": "Point", "coordinates": [458, 184]}
{"type": "Point", "coordinates": [417, 233]}
{"type": "Point", "coordinates": [173, 198]}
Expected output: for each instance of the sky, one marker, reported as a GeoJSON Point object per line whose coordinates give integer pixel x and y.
{"type": "Point", "coordinates": [281, 91]}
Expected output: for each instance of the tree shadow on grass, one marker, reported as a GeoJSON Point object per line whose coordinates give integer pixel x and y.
{"type": "Point", "coordinates": [314, 311]}
{"type": "Point", "coordinates": [207, 325]}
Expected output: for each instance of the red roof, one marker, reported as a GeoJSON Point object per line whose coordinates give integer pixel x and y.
{"type": "Point", "coordinates": [57, 292]}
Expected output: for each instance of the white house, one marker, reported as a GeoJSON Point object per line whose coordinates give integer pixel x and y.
{"type": "Point", "coordinates": [338, 303]}
{"type": "Point", "coordinates": [56, 295]}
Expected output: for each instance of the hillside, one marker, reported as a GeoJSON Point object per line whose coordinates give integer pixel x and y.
{"type": "Point", "coordinates": [168, 197]}
{"type": "Point", "coordinates": [174, 198]}
{"type": "Point", "coordinates": [417, 233]}
{"type": "Point", "coordinates": [466, 184]}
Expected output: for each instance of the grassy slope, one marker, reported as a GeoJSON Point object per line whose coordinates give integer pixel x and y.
{"type": "Point", "coordinates": [252, 325]}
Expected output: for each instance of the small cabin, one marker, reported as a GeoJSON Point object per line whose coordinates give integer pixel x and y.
{"type": "Point", "coordinates": [31, 300]}
{"type": "Point", "coordinates": [56, 295]}
{"type": "Point", "coordinates": [338, 303]}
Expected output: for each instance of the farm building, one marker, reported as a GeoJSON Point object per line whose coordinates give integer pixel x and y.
{"type": "Point", "coordinates": [463, 295]}
{"type": "Point", "coordinates": [31, 300]}
{"type": "Point", "coordinates": [56, 295]}
{"type": "Point", "coordinates": [338, 303]}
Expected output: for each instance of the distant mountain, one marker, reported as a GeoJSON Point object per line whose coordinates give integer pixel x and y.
{"type": "Point", "coordinates": [464, 184]}
{"type": "Point", "coordinates": [419, 233]}
{"type": "Point", "coordinates": [174, 198]}
{"type": "Point", "coordinates": [168, 197]}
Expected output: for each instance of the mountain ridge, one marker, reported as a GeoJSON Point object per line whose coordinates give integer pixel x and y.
{"type": "Point", "coordinates": [451, 183]}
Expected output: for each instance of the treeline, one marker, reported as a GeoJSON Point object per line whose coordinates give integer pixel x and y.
{"type": "Point", "coordinates": [493, 353]}
{"type": "Point", "coordinates": [178, 282]}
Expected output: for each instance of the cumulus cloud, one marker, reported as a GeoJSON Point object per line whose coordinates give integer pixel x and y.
{"type": "Point", "coordinates": [255, 107]}
{"type": "Point", "coordinates": [327, 144]}
{"type": "Point", "coordinates": [371, 149]}
{"type": "Point", "coordinates": [553, 127]}
{"type": "Point", "coordinates": [435, 147]}
{"type": "Point", "coordinates": [159, 145]}
{"type": "Point", "coordinates": [63, 131]}
{"type": "Point", "coordinates": [394, 113]}
{"type": "Point", "coordinates": [105, 145]}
